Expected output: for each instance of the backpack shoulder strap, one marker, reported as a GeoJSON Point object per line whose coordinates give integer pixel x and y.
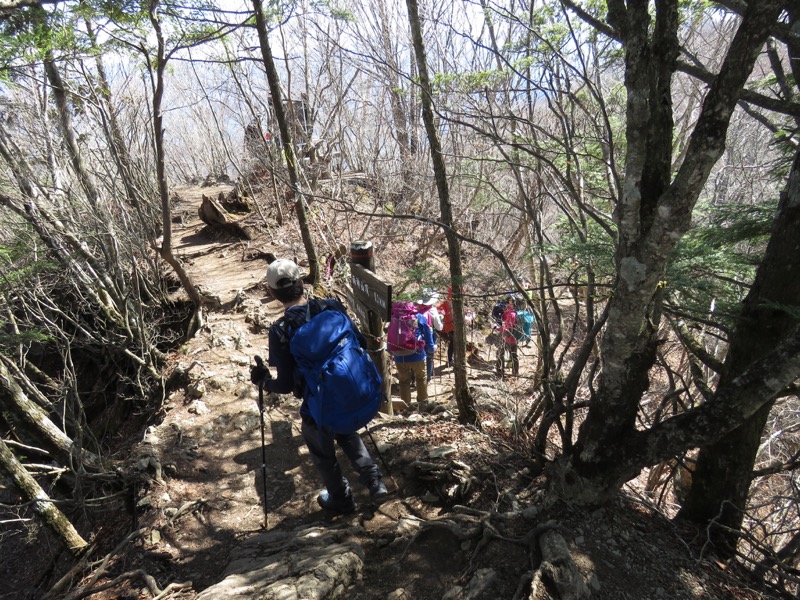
{"type": "Point", "coordinates": [291, 321]}
{"type": "Point", "coordinates": [283, 330]}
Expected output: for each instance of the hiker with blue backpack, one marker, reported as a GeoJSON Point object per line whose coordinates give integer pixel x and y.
{"type": "Point", "coordinates": [409, 340]}
{"type": "Point", "coordinates": [525, 320]}
{"type": "Point", "coordinates": [320, 356]}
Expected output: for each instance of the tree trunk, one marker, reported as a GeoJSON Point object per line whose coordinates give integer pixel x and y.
{"type": "Point", "coordinates": [400, 111]}
{"type": "Point", "coordinates": [15, 159]}
{"type": "Point", "coordinates": [752, 389]}
{"type": "Point", "coordinates": [467, 411]}
{"type": "Point", "coordinates": [116, 139]}
{"type": "Point", "coordinates": [628, 347]}
{"type": "Point", "coordinates": [721, 481]}
{"type": "Point", "coordinates": [75, 155]}
{"type": "Point", "coordinates": [651, 221]}
{"type": "Point", "coordinates": [42, 504]}
{"type": "Point", "coordinates": [286, 142]}
{"type": "Point", "coordinates": [163, 189]}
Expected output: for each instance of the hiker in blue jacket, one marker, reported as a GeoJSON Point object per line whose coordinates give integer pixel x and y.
{"type": "Point", "coordinates": [427, 306]}
{"type": "Point", "coordinates": [283, 279]}
{"type": "Point", "coordinates": [414, 363]}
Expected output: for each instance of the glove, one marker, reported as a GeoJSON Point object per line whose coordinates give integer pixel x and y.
{"type": "Point", "coordinates": [259, 373]}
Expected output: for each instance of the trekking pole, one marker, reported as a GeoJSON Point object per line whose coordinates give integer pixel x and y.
{"type": "Point", "coordinates": [378, 451]}
{"type": "Point", "coordinates": [260, 363]}
{"type": "Point", "coordinates": [442, 342]}
{"type": "Point", "coordinates": [439, 374]}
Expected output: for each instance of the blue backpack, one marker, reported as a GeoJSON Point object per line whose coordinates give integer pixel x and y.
{"type": "Point", "coordinates": [343, 384]}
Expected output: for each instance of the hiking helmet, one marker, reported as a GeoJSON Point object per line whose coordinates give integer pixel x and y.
{"type": "Point", "coordinates": [282, 273]}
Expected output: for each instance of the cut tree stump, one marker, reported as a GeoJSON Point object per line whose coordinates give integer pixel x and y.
{"type": "Point", "coordinates": [217, 218]}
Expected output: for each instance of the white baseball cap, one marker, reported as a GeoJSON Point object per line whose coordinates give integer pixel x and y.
{"type": "Point", "coordinates": [282, 273]}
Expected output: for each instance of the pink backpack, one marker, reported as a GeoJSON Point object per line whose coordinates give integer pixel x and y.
{"type": "Point", "coordinates": [401, 338]}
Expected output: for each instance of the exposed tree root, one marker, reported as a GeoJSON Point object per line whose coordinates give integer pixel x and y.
{"type": "Point", "coordinates": [557, 570]}
{"type": "Point", "coordinates": [99, 569]}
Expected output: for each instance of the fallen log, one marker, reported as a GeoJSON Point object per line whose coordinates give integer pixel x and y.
{"type": "Point", "coordinates": [42, 504]}
{"type": "Point", "coordinates": [218, 219]}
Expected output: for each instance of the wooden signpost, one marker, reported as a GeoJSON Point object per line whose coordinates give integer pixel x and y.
{"type": "Point", "coordinates": [372, 304]}
{"type": "Point", "coordinates": [371, 291]}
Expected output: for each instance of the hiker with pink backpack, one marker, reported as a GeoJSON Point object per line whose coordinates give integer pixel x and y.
{"type": "Point", "coordinates": [510, 335]}
{"type": "Point", "coordinates": [409, 340]}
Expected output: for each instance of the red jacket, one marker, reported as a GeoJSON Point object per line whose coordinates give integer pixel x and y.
{"type": "Point", "coordinates": [509, 323]}
{"type": "Point", "coordinates": [446, 310]}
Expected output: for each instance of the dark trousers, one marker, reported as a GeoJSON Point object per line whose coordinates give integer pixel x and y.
{"type": "Point", "coordinates": [323, 454]}
{"type": "Point", "coordinates": [511, 348]}
{"type": "Point", "coordinates": [450, 346]}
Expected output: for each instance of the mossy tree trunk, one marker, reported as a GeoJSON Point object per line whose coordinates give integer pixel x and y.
{"type": "Point", "coordinates": [41, 502]}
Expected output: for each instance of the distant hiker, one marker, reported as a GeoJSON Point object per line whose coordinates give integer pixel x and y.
{"type": "Point", "coordinates": [283, 279]}
{"type": "Point", "coordinates": [409, 340]}
{"type": "Point", "coordinates": [427, 306]}
{"type": "Point", "coordinates": [509, 339]}
{"type": "Point", "coordinates": [525, 321]}
{"type": "Point", "coordinates": [527, 286]}
{"type": "Point", "coordinates": [498, 310]}
{"type": "Point", "coordinates": [446, 310]}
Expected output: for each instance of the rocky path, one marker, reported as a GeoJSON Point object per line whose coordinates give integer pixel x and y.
{"type": "Point", "coordinates": [464, 519]}
{"type": "Point", "coordinates": [205, 505]}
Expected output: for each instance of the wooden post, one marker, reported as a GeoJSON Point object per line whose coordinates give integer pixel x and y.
{"type": "Point", "coordinates": [361, 253]}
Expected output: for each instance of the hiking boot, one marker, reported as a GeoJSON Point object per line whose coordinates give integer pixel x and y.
{"type": "Point", "coordinates": [378, 491]}
{"type": "Point", "coordinates": [343, 507]}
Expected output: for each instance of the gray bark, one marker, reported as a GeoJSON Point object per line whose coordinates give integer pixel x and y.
{"type": "Point", "coordinates": [38, 421]}
{"type": "Point", "coordinates": [287, 143]}
{"type": "Point", "coordinates": [68, 132]}
{"type": "Point", "coordinates": [466, 405]}
{"type": "Point", "coordinates": [116, 139]}
{"type": "Point", "coordinates": [165, 250]}
{"type": "Point", "coordinates": [721, 480]}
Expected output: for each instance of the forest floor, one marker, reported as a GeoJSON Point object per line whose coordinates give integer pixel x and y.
{"type": "Point", "coordinates": [202, 458]}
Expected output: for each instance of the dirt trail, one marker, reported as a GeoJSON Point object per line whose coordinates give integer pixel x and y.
{"type": "Point", "coordinates": [209, 447]}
